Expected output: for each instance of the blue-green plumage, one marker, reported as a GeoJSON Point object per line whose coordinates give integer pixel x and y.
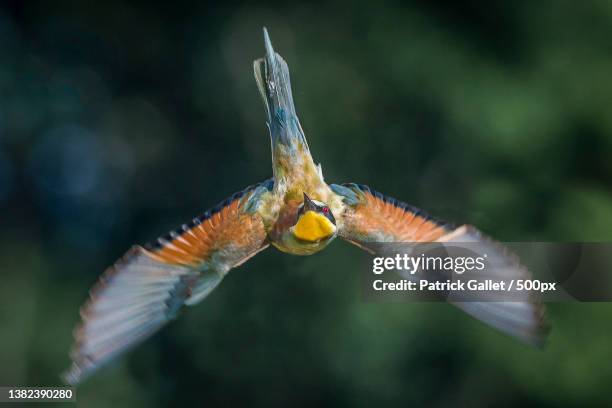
{"type": "Point", "coordinates": [273, 81]}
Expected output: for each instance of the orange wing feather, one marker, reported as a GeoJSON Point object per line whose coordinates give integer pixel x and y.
{"type": "Point", "coordinates": [378, 218]}
{"type": "Point", "coordinates": [227, 230]}
{"type": "Point", "coordinates": [148, 286]}
{"type": "Point", "coordinates": [370, 217]}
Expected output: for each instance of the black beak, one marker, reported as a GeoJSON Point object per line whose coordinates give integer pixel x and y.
{"type": "Point", "coordinates": [309, 205]}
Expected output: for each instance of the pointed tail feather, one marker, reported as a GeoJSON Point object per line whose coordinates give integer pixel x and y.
{"type": "Point", "coordinates": [272, 76]}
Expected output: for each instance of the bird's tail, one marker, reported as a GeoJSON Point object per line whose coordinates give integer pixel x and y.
{"type": "Point", "coordinates": [272, 75]}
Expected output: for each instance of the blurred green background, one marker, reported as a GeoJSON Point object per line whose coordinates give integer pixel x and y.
{"type": "Point", "coordinates": [119, 122]}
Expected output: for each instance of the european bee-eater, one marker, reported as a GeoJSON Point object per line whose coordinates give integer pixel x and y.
{"type": "Point", "coordinates": [295, 211]}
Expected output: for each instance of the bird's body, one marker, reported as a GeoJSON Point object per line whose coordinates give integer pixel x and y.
{"type": "Point", "coordinates": [296, 211]}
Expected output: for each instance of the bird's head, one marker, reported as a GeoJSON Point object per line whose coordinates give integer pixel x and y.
{"type": "Point", "coordinates": [315, 221]}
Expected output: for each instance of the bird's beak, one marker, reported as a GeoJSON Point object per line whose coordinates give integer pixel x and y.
{"type": "Point", "coordinates": [309, 205]}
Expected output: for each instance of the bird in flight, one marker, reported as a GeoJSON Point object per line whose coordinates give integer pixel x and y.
{"type": "Point", "coordinates": [295, 211]}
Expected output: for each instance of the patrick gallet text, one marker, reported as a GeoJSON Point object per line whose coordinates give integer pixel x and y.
{"type": "Point", "coordinates": [440, 286]}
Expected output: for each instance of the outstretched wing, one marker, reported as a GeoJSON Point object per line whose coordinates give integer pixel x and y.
{"type": "Point", "coordinates": [369, 217]}
{"type": "Point", "coordinates": [147, 287]}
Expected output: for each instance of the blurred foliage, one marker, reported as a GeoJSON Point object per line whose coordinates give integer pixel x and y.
{"type": "Point", "coordinates": [120, 121]}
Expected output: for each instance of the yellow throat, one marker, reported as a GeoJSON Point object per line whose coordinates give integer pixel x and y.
{"type": "Point", "coordinates": [313, 227]}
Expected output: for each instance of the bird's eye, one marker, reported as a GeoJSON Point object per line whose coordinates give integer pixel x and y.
{"type": "Point", "coordinates": [325, 210]}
